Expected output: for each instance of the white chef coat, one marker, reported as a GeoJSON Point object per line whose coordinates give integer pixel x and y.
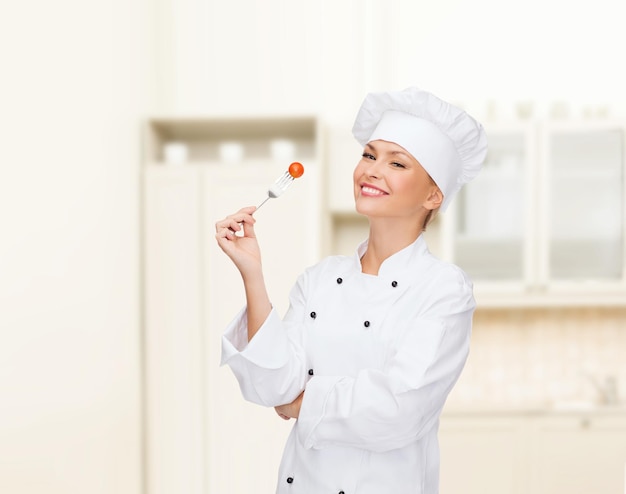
{"type": "Point", "coordinates": [377, 356]}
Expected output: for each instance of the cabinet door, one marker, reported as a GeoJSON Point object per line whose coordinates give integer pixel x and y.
{"type": "Point", "coordinates": [245, 441]}
{"type": "Point", "coordinates": [493, 214]}
{"type": "Point", "coordinates": [578, 455]}
{"type": "Point", "coordinates": [343, 156]}
{"type": "Point", "coordinates": [584, 203]}
{"type": "Point", "coordinates": [482, 455]}
{"type": "Point", "coordinates": [173, 334]}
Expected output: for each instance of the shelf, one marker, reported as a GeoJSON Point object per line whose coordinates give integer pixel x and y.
{"type": "Point", "coordinates": [303, 126]}
{"type": "Point", "coordinates": [234, 140]}
{"type": "Point", "coordinates": [594, 174]}
{"type": "Point", "coordinates": [245, 164]}
{"type": "Point", "coordinates": [503, 296]}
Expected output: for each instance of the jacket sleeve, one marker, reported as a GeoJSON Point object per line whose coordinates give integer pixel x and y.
{"type": "Point", "coordinates": [381, 410]}
{"type": "Point", "coordinates": [270, 368]}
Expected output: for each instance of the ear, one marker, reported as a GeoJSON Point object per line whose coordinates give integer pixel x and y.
{"type": "Point", "coordinates": [434, 199]}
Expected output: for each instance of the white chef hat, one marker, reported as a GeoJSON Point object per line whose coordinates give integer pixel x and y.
{"type": "Point", "coordinates": [447, 142]}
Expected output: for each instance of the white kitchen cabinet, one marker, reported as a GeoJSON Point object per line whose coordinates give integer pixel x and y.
{"type": "Point", "coordinates": [578, 454]}
{"type": "Point", "coordinates": [480, 455]}
{"type": "Point", "coordinates": [533, 452]}
{"type": "Point", "coordinates": [492, 217]}
{"type": "Point", "coordinates": [584, 197]}
{"type": "Point", "coordinates": [172, 338]}
{"type": "Point", "coordinates": [544, 223]}
{"type": "Point", "coordinates": [201, 437]}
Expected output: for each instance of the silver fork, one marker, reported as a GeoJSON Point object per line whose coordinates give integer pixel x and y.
{"type": "Point", "coordinates": [277, 188]}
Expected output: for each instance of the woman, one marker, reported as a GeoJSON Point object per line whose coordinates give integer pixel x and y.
{"type": "Point", "coordinates": [371, 344]}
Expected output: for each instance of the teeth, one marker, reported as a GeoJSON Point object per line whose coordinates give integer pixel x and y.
{"type": "Point", "coordinates": [369, 190]}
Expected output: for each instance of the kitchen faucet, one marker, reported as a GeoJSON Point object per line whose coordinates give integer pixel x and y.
{"type": "Point", "coordinates": [607, 389]}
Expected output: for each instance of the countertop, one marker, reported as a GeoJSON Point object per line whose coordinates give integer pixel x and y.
{"type": "Point", "coordinates": [534, 409]}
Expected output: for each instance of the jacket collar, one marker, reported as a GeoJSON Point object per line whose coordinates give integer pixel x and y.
{"type": "Point", "coordinates": [398, 264]}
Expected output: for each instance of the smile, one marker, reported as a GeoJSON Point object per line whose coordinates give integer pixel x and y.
{"type": "Point", "coordinates": [371, 191]}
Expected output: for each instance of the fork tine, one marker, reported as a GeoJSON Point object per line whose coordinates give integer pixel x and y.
{"type": "Point", "coordinates": [285, 181]}
{"type": "Point", "coordinates": [278, 187]}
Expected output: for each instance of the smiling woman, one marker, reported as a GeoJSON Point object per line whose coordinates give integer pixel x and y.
{"type": "Point", "coordinates": [371, 344]}
{"type": "Point", "coordinates": [386, 171]}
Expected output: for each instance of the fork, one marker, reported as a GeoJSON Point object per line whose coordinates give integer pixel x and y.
{"type": "Point", "coordinates": [277, 188]}
{"type": "Point", "coordinates": [281, 184]}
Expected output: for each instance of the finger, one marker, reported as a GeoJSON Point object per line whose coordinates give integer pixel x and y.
{"type": "Point", "coordinates": [248, 230]}
{"type": "Point", "coordinates": [232, 224]}
{"type": "Point", "coordinates": [225, 234]}
{"type": "Point", "coordinates": [236, 221]}
{"type": "Point", "coordinates": [244, 214]}
{"type": "Point", "coordinates": [229, 222]}
{"type": "Point", "coordinates": [248, 209]}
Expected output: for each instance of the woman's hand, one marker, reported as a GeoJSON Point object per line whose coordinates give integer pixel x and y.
{"type": "Point", "coordinates": [243, 250]}
{"type": "Point", "coordinates": [290, 410]}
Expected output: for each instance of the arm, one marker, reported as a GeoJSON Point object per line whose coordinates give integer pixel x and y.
{"type": "Point", "coordinates": [245, 253]}
{"type": "Point", "coordinates": [290, 410]}
{"type": "Point", "coordinates": [270, 368]}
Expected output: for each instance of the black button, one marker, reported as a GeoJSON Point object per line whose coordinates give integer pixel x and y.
{"type": "Point", "coordinates": [310, 372]}
{"type": "Point", "coordinates": [313, 315]}
{"type": "Point", "coordinates": [339, 281]}
{"type": "Point", "coordinates": [289, 480]}
{"type": "Point", "coordinates": [394, 284]}
{"type": "Point", "coordinates": [366, 324]}
{"type": "Point", "coordinates": [341, 492]}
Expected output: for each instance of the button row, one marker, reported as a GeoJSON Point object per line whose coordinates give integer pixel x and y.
{"type": "Point", "coordinates": [290, 481]}
{"type": "Point", "coordinates": [314, 315]}
{"type": "Point", "coordinates": [393, 283]}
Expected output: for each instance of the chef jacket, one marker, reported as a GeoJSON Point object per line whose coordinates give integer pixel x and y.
{"type": "Point", "coordinates": [376, 355]}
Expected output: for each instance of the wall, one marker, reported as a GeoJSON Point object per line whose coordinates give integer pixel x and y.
{"type": "Point", "coordinates": [76, 80]}
{"type": "Point", "coordinates": [249, 56]}
{"type": "Point", "coordinates": [543, 357]}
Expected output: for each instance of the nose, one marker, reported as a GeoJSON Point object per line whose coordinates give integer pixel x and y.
{"type": "Point", "coordinates": [374, 170]}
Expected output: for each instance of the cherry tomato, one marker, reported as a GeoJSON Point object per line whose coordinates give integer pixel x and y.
{"type": "Point", "coordinates": [296, 169]}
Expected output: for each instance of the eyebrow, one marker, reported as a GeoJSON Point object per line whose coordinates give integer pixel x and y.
{"type": "Point", "coordinates": [368, 145]}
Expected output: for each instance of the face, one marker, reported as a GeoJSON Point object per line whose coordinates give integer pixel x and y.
{"type": "Point", "coordinates": [390, 182]}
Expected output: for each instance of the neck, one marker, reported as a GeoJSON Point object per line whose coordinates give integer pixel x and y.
{"type": "Point", "coordinates": [386, 237]}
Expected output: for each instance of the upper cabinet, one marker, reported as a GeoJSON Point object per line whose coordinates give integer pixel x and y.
{"type": "Point", "coordinates": [543, 224]}
{"type": "Point", "coordinates": [584, 204]}
{"type": "Point", "coordinates": [492, 216]}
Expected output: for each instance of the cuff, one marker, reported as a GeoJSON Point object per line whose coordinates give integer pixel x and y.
{"type": "Point", "coordinates": [268, 349]}
{"type": "Point", "coordinates": [313, 408]}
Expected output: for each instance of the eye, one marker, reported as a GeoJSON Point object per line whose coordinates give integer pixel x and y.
{"type": "Point", "coordinates": [395, 164]}
{"type": "Point", "coordinates": [368, 156]}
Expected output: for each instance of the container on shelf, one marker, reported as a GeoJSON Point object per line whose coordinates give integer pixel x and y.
{"type": "Point", "coordinates": [175, 153]}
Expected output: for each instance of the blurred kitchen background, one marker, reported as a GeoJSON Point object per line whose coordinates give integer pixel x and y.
{"type": "Point", "coordinates": [129, 127]}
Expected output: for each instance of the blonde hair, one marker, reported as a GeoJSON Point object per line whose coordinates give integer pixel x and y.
{"type": "Point", "coordinates": [430, 216]}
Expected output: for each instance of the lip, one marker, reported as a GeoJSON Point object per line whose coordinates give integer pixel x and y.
{"type": "Point", "coordinates": [370, 190]}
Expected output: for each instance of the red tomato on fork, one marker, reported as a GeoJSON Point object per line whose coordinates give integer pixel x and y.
{"type": "Point", "coordinates": [296, 169]}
